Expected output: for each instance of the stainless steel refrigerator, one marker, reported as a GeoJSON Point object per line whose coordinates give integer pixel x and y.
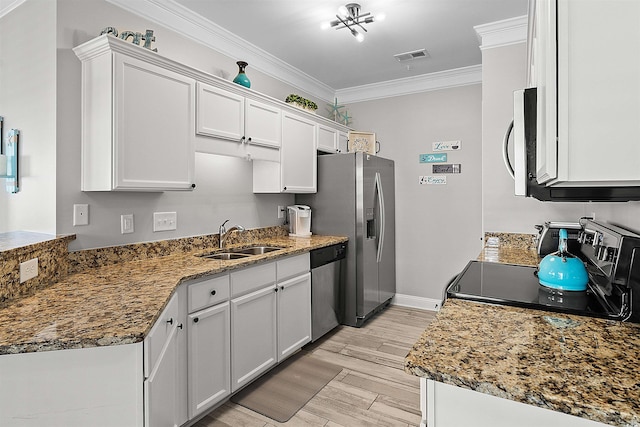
{"type": "Point", "coordinates": [356, 198]}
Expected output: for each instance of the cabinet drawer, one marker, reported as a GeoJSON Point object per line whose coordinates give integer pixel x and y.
{"type": "Point", "coordinates": [253, 278]}
{"type": "Point", "coordinates": [293, 266]}
{"type": "Point", "coordinates": [161, 330]}
{"type": "Point", "coordinates": [207, 292]}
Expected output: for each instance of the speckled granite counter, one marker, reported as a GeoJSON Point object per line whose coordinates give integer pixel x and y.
{"type": "Point", "coordinates": [117, 303]}
{"type": "Point", "coordinates": [572, 364]}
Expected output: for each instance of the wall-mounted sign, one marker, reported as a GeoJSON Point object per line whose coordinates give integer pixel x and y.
{"type": "Point", "coordinates": [450, 168]}
{"type": "Point", "coordinates": [433, 180]}
{"type": "Point", "coordinates": [447, 145]}
{"type": "Point", "coordinates": [433, 158]}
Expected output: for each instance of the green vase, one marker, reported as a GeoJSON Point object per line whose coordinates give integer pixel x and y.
{"type": "Point", "coordinates": [242, 78]}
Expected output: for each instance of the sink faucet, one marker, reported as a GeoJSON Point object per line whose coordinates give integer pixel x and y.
{"type": "Point", "coordinates": [224, 232]}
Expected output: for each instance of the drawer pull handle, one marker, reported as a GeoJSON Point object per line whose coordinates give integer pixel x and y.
{"type": "Point", "coordinates": [170, 321]}
{"type": "Point", "coordinates": [213, 292]}
{"type": "Point", "coordinates": [179, 326]}
{"type": "Point", "coordinates": [195, 320]}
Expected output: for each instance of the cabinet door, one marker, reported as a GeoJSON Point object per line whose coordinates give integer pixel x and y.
{"type": "Point", "coordinates": [263, 124]}
{"type": "Point", "coordinates": [160, 333]}
{"type": "Point", "coordinates": [220, 120]}
{"type": "Point", "coordinates": [343, 139]}
{"type": "Point", "coordinates": [209, 357]}
{"type": "Point", "coordinates": [161, 391]}
{"type": "Point", "coordinates": [154, 127]}
{"type": "Point", "coordinates": [545, 62]}
{"type": "Point", "coordinates": [219, 113]}
{"type": "Point", "coordinates": [598, 105]}
{"type": "Point", "coordinates": [294, 315]}
{"type": "Point", "coordinates": [327, 139]}
{"type": "Point", "coordinates": [298, 162]}
{"type": "Point", "coordinates": [253, 336]}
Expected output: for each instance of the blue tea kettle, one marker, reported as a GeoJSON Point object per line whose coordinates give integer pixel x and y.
{"type": "Point", "coordinates": [561, 270]}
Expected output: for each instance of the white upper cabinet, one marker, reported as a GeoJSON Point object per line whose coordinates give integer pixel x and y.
{"type": "Point", "coordinates": [220, 113]}
{"type": "Point", "coordinates": [137, 120]}
{"type": "Point", "coordinates": [591, 95]}
{"type": "Point", "coordinates": [327, 139]}
{"type": "Point", "coordinates": [296, 170]}
{"type": "Point", "coordinates": [144, 116]}
{"type": "Point", "coordinates": [235, 125]}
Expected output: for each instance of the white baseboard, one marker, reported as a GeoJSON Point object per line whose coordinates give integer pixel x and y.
{"type": "Point", "coordinates": [417, 302]}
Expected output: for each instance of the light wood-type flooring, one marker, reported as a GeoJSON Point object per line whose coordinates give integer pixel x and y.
{"type": "Point", "coordinates": [371, 390]}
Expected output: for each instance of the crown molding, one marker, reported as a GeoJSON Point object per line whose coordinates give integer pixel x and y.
{"type": "Point", "coordinates": [183, 21]}
{"type": "Point", "coordinates": [8, 6]}
{"type": "Point", "coordinates": [177, 18]}
{"type": "Point", "coordinates": [502, 33]}
{"type": "Point", "coordinates": [426, 82]}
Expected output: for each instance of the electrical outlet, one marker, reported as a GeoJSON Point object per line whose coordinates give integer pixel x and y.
{"type": "Point", "coordinates": [80, 215]}
{"type": "Point", "coordinates": [281, 211]}
{"type": "Point", "coordinates": [165, 221]}
{"type": "Point", "coordinates": [28, 269]}
{"type": "Point", "coordinates": [126, 224]}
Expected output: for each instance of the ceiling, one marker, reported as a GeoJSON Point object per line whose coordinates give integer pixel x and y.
{"type": "Point", "coordinates": [291, 31]}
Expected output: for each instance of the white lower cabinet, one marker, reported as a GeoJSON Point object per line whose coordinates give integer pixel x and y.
{"type": "Point", "coordinates": [163, 397]}
{"type": "Point", "coordinates": [209, 359]}
{"type": "Point", "coordinates": [294, 315]}
{"type": "Point", "coordinates": [253, 332]}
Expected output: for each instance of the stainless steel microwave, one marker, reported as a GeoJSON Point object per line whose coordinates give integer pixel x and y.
{"type": "Point", "coordinates": [523, 170]}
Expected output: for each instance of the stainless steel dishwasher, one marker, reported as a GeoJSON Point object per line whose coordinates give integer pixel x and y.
{"type": "Point", "coordinates": [326, 280]}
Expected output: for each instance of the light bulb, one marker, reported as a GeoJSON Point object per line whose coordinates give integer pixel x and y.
{"type": "Point", "coordinates": [325, 25]}
{"type": "Point", "coordinates": [343, 12]}
{"type": "Point", "coordinates": [380, 17]}
{"type": "Point", "coordinates": [357, 35]}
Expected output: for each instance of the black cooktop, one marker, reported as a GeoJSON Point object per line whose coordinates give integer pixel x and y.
{"type": "Point", "coordinates": [517, 285]}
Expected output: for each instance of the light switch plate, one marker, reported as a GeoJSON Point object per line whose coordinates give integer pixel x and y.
{"type": "Point", "coordinates": [165, 221]}
{"type": "Point", "coordinates": [126, 224]}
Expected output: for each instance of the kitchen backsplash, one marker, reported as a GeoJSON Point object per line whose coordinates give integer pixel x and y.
{"type": "Point", "coordinates": [514, 240]}
{"type": "Point", "coordinates": [18, 247]}
{"type": "Point", "coordinates": [92, 258]}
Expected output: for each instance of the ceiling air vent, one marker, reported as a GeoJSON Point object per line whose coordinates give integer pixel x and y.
{"type": "Point", "coordinates": [410, 56]}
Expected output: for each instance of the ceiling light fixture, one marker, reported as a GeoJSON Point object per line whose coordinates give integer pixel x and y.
{"type": "Point", "coordinates": [349, 16]}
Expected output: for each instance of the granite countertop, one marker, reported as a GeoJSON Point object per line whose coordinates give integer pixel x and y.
{"type": "Point", "coordinates": [118, 303]}
{"type": "Point", "coordinates": [577, 365]}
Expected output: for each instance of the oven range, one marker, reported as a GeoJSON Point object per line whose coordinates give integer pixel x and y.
{"type": "Point", "coordinates": [611, 255]}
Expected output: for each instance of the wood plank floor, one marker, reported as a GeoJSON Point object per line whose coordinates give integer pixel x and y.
{"type": "Point", "coordinates": [371, 390]}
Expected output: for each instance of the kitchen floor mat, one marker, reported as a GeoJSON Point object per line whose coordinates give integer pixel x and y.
{"type": "Point", "coordinates": [284, 390]}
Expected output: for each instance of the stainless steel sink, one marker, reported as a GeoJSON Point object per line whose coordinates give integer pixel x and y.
{"type": "Point", "coordinates": [255, 250]}
{"type": "Point", "coordinates": [226, 256]}
{"type": "Point", "coordinates": [231, 254]}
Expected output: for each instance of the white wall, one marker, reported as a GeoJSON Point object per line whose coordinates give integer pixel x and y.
{"type": "Point", "coordinates": [27, 102]}
{"type": "Point", "coordinates": [503, 71]}
{"type": "Point", "coordinates": [438, 228]}
{"type": "Point", "coordinates": [224, 187]}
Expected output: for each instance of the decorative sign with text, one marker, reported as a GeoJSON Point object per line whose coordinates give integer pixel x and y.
{"type": "Point", "coordinates": [447, 146]}
{"type": "Point", "coordinates": [433, 158]}
{"type": "Point", "coordinates": [433, 180]}
{"type": "Point", "coordinates": [147, 38]}
{"type": "Point", "coordinates": [450, 168]}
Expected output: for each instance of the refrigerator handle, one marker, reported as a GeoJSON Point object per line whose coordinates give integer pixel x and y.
{"type": "Point", "coordinates": [382, 216]}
